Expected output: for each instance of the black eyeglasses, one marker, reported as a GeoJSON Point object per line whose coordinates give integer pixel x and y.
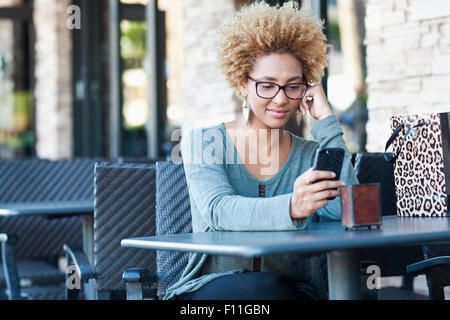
{"type": "Point", "coordinates": [268, 90]}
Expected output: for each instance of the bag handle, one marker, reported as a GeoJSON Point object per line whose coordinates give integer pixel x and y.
{"type": "Point", "coordinates": [445, 131]}
{"type": "Point", "coordinates": [394, 136]}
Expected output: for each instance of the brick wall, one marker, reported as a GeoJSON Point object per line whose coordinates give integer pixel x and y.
{"type": "Point", "coordinates": [408, 61]}
{"type": "Point", "coordinates": [53, 91]}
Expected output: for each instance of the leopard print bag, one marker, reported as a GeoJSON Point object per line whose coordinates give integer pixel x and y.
{"type": "Point", "coordinates": [421, 161]}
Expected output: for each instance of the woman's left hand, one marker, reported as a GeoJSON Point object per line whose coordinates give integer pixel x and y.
{"type": "Point", "coordinates": [318, 106]}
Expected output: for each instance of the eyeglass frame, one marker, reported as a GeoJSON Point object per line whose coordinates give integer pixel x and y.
{"type": "Point", "coordinates": [279, 88]}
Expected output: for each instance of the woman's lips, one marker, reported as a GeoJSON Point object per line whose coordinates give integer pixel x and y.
{"type": "Point", "coordinates": [277, 113]}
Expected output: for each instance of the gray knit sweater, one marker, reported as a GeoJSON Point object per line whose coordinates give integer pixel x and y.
{"type": "Point", "coordinates": [225, 196]}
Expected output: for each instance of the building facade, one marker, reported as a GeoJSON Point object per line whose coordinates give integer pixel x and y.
{"type": "Point", "coordinates": [397, 50]}
{"type": "Point", "coordinates": [408, 61]}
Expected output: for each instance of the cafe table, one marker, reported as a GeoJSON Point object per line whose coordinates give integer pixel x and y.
{"type": "Point", "coordinates": [330, 237]}
{"type": "Point", "coordinates": [59, 209]}
{"type": "Point", "coordinates": [56, 209]}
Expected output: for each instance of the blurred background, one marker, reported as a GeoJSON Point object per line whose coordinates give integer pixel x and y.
{"type": "Point", "coordinates": [110, 78]}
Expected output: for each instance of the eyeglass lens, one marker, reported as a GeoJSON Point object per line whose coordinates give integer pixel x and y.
{"type": "Point", "coordinates": [269, 90]}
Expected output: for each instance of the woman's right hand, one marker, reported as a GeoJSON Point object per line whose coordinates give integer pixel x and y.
{"type": "Point", "coordinates": [311, 192]}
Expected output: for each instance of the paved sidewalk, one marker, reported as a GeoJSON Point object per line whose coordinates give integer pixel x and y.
{"type": "Point", "coordinates": [391, 289]}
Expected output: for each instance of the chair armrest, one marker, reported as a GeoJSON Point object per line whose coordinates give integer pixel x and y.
{"type": "Point", "coordinates": [4, 237]}
{"type": "Point", "coordinates": [139, 275]}
{"type": "Point", "coordinates": [134, 279]}
{"type": "Point", "coordinates": [422, 266]}
{"type": "Point", "coordinates": [76, 255]}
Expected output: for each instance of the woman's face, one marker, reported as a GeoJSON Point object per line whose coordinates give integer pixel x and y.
{"type": "Point", "coordinates": [279, 68]}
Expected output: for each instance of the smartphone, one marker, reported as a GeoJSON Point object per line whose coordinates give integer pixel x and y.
{"type": "Point", "coordinates": [329, 159]}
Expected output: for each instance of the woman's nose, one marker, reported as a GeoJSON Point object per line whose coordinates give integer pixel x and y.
{"type": "Point", "coordinates": [280, 98]}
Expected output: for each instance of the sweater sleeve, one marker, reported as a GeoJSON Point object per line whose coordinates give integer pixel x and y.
{"type": "Point", "coordinates": [328, 133]}
{"type": "Point", "coordinates": [214, 197]}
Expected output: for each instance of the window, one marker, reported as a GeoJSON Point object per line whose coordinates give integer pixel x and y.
{"type": "Point", "coordinates": [16, 81]}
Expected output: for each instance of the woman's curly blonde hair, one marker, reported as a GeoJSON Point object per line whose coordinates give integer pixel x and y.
{"type": "Point", "coordinates": [259, 29]}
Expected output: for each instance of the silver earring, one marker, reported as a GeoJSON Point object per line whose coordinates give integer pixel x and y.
{"type": "Point", "coordinates": [245, 112]}
{"type": "Point", "coordinates": [298, 118]}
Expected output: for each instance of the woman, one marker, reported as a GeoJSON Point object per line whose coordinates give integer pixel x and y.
{"type": "Point", "coordinates": [253, 175]}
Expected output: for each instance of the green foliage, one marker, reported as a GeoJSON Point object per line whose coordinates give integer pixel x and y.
{"type": "Point", "coordinates": [21, 135]}
{"type": "Point", "coordinates": [23, 101]}
{"type": "Point", "coordinates": [334, 35]}
{"type": "Point", "coordinates": [133, 43]}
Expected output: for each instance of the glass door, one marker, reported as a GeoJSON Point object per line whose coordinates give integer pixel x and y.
{"type": "Point", "coordinates": [140, 121]}
{"type": "Point", "coordinates": [135, 111]}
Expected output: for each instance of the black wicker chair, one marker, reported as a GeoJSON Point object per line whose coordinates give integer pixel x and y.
{"type": "Point", "coordinates": [373, 168]}
{"type": "Point", "coordinates": [173, 215]}
{"type": "Point", "coordinates": [32, 245]}
{"type": "Point", "coordinates": [124, 207]}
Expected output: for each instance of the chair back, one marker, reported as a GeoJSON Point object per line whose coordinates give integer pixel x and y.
{"type": "Point", "coordinates": [41, 180]}
{"type": "Point", "coordinates": [373, 168]}
{"type": "Point", "coordinates": [124, 207]}
{"type": "Point", "coordinates": [173, 215]}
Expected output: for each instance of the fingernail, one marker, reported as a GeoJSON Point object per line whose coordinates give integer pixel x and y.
{"type": "Point", "coordinates": [333, 174]}
{"type": "Point", "coordinates": [342, 183]}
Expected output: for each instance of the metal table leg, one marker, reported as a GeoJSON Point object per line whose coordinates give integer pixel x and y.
{"type": "Point", "coordinates": [88, 248]}
{"type": "Point", "coordinates": [344, 275]}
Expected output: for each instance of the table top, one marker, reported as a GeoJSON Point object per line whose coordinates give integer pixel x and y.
{"type": "Point", "coordinates": [316, 238]}
{"type": "Point", "coordinates": [46, 208]}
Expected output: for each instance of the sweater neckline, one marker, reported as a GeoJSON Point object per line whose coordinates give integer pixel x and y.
{"type": "Point", "coordinates": [248, 174]}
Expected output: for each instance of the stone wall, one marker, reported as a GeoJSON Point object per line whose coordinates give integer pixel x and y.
{"type": "Point", "coordinates": [408, 60]}
{"type": "Point", "coordinates": [53, 91]}
{"type": "Point", "coordinates": [207, 98]}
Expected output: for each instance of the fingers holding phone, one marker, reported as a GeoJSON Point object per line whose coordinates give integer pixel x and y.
{"type": "Point", "coordinates": [312, 191]}
{"type": "Point", "coordinates": [314, 188]}
{"type": "Point", "coordinates": [329, 159]}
